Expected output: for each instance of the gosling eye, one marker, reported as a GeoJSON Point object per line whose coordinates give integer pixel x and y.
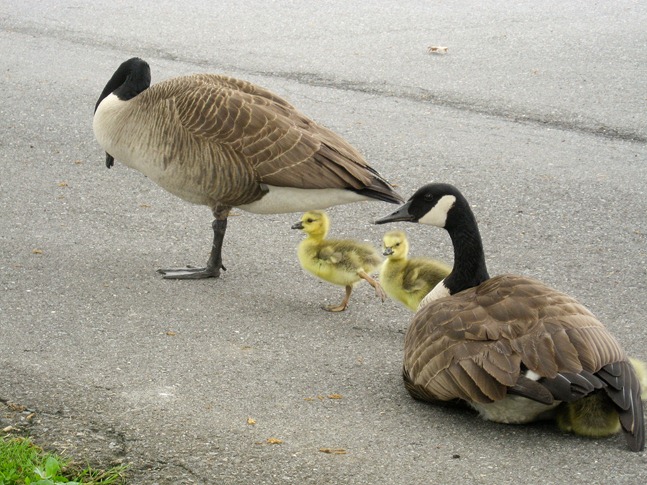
{"type": "Point", "coordinates": [397, 244]}
{"type": "Point", "coordinates": [309, 221]}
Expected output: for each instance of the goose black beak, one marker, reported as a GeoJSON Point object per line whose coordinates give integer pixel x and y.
{"type": "Point", "coordinates": [387, 251]}
{"type": "Point", "coordinates": [402, 214]}
{"type": "Point", "coordinates": [298, 225]}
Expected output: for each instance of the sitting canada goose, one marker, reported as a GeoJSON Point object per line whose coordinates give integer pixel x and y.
{"type": "Point", "coordinates": [510, 346]}
{"type": "Point", "coordinates": [339, 261]}
{"type": "Point", "coordinates": [224, 143]}
{"type": "Point", "coordinates": [408, 280]}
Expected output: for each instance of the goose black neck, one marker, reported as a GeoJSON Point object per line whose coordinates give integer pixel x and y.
{"type": "Point", "coordinates": [131, 78]}
{"type": "Point", "coordinates": [469, 258]}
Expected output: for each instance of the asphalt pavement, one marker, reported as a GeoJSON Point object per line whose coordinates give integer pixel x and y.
{"type": "Point", "coordinates": [536, 111]}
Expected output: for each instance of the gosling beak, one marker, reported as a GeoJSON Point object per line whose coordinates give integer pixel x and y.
{"type": "Point", "coordinates": [387, 251]}
{"type": "Point", "coordinates": [402, 214]}
{"type": "Point", "coordinates": [298, 225]}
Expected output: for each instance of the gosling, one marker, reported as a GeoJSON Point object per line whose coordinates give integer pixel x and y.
{"type": "Point", "coordinates": [341, 262]}
{"type": "Point", "coordinates": [408, 280]}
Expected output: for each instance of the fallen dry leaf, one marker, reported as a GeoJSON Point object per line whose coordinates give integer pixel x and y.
{"type": "Point", "coordinates": [273, 441]}
{"type": "Point", "coordinates": [436, 49]}
{"type": "Point", "coordinates": [171, 333]}
{"type": "Point", "coordinates": [37, 251]}
{"type": "Point", "coordinates": [335, 396]}
{"type": "Point", "coordinates": [62, 184]}
{"type": "Point", "coordinates": [251, 421]}
{"type": "Point", "coordinates": [333, 451]}
{"type": "Point", "coordinates": [16, 407]}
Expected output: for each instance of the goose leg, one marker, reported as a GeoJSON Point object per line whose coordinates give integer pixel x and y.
{"type": "Point", "coordinates": [378, 288]}
{"type": "Point", "coordinates": [343, 305]}
{"type": "Point", "coordinates": [214, 264]}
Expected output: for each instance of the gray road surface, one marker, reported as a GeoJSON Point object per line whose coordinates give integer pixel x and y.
{"type": "Point", "coordinates": [537, 112]}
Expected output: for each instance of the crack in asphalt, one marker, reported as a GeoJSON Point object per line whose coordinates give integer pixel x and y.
{"type": "Point", "coordinates": [385, 90]}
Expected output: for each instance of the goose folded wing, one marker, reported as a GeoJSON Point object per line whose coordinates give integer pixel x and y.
{"type": "Point", "coordinates": [623, 388]}
{"type": "Point", "coordinates": [453, 353]}
{"type": "Point", "coordinates": [505, 327]}
{"type": "Point", "coordinates": [266, 134]}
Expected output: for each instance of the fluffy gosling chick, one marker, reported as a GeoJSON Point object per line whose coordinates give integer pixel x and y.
{"type": "Point", "coordinates": [641, 371]}
{"type": "Point", "coordinates": [408, 280]}
{"type": "Point", "coordinates": [594, 416]}
{"type": "Point", "coordinates": [339, 261]}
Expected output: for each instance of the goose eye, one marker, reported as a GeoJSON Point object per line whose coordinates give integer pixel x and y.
{"type": "Point", "coordinates": [397, 244]}
{"type": "Point", "coordinates": [309, 221]}
{"type": "Point", "coordinates": [429, 197]}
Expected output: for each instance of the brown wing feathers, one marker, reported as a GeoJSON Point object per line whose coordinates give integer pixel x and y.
{"type": "Point", "coordinates": [267, 133]}
{"type": "Point", "coordinates": [473, 347]}
{"type": "Point", "coordinates": [532, 390]}
{"type": "Point", "coordinates": [449, 356]}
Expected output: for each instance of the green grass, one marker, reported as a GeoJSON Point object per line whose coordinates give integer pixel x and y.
{"type": "Point", "coordinates": [24, 463]}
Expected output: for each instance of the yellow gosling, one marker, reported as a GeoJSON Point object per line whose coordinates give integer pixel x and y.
{"type": "Point", "coordinates": [408, 280]}
{"type": "Point", "coordinates": [641, 372]}
{"type": "Point", "coordinates": [593, 416]}
{"type": "Point", "coordinates": [341, 262]}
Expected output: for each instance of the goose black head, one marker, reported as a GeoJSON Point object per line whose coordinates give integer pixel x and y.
{"type": "Point", "coordinates": [131, 78]}
{"type": "Point", "coordinates": [431, 204]}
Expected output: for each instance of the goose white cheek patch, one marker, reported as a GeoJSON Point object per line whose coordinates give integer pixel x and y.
{"type": "Point", "coordinates": [437, 216]}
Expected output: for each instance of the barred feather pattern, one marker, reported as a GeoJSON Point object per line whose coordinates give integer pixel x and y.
{"type": "Point", "coordinates": [477, 344]}
{"type": "Point", "coordinates": [213, 139]}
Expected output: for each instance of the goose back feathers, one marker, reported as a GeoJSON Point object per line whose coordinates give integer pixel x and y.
{"type": "Point", "coordinates": [513, 348]}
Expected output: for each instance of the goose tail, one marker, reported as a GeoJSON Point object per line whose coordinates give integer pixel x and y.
{"type": "Point", "coordinates": [380, 189]}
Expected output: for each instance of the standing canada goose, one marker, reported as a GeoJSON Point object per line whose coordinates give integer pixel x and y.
{"type": "Point", "coordinates": [224, 143]}
{"type": "Point", "coordinates": [510, 346]}
{"type": "Point", "coordinates": [408, 280]}
{"type": "Point", "coordinates": [342, 262]}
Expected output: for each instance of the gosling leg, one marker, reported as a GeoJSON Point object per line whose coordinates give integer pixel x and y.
{"type": "Point", "coordinates": [343, 305]}
{"type": "Point", "coordinates": [379, 291]}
